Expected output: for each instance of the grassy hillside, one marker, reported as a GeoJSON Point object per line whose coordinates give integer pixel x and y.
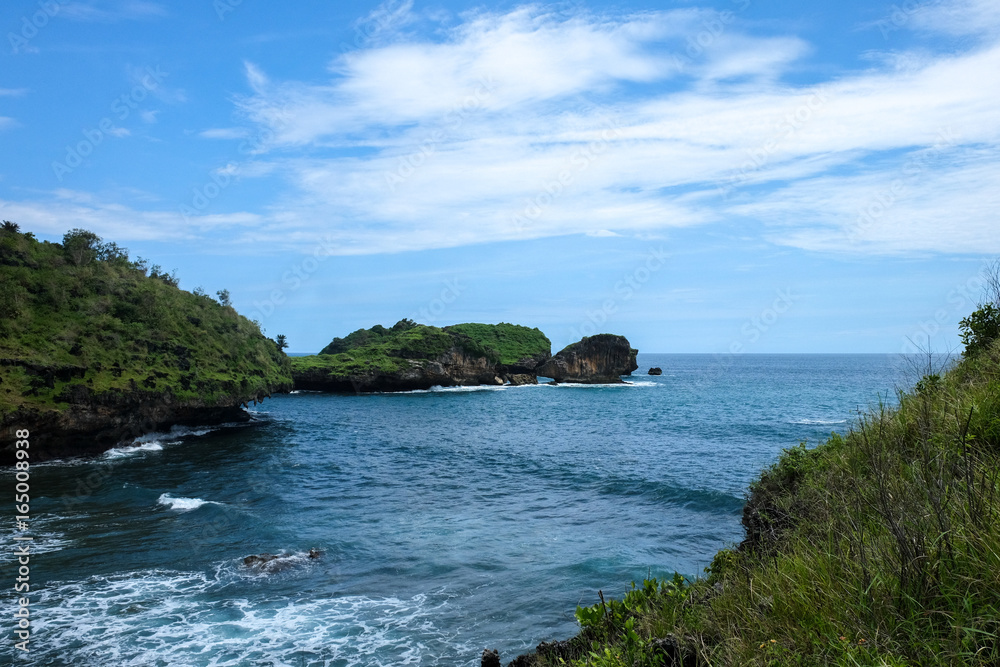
{"type": "Point", "coordinates": [878, 548]}
{"type": "Point", "coordinates": [378, 350]}
{"type": "Point", "coordinates": [81, 322]}
{"type": "Point", "coordinates": [511, 343]}
{"type": "Point", "coordinates": [385, 350]}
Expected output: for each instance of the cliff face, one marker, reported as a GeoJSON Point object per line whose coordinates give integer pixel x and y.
{"type": "Point", "coordinates": [454, 367]}
{"type": "Point", "coordinates": [600, 359]}
{"type": "Point", "coordinates": [95, 348]}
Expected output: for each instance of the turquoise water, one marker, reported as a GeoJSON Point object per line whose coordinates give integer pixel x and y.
{"type": "Point", "coordinates": [450, 520]}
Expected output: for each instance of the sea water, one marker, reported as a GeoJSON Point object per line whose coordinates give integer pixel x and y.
{"type": "Point", "coordinates": [447, 520]}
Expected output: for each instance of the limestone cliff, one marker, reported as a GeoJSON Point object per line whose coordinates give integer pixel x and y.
{"type": "Point", "coordinates": [600, 359]}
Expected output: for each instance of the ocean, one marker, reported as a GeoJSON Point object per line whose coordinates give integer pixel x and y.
{"type": "Point", "coordinates": [447, 521]}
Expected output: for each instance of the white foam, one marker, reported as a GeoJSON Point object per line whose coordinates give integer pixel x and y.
{"type": "Point", "coordinates": [41, 542]}
{"type": "Point", "coordinates": [581, 385]}
{"type": "Point", "coordinates": [183, 504]}
{"type": "Point", "coordinates": [814, 422]}
{"type": "Point", "coordinates": [122, 452]}
{"type": "Point", "coordinates": [167, 617]}
{"type": "Point", "coordinates": [437, 389]}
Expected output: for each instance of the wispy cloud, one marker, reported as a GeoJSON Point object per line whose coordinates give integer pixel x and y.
{"type": "Point", "coordinates": [111, 12]}
{"type": "Point", "coordinates": [684, 149]}
{"type": "Point", "coordinates": [223, 133]}
{"type": "Point", "coordinates": [55, 212]}
{"type": "Point", "coordinates": [534, 123]}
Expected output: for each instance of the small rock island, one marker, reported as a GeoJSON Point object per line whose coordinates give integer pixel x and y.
{"type": "Point", "coordinates": [409, 356]}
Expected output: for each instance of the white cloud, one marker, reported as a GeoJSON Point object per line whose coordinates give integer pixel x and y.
{"type": "Point", "coordinates": [223, 133]}
{"type": "Point", "coordinates": [110, 12]}
{"type": "Point", "coordinates": [534, 123]}
{"type": "Point", "coordinates": [66, 209]}
{"type": "Point", "coordinates": [12, 92]}
{"type": "Point", "coordinates": [959, 17]}
{"type": "Point", "coordinates": [497, 62]}
{"type": "Point", "coordinates": [453, 160]}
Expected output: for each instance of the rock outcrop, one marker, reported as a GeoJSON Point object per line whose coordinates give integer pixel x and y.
{"type": "Point", "coordinates": [600, 359]}
{"type": "Point", "coordinates": [95, 424]}
{"type": "Point", "coordinates": [656, 370]}
{"type": "Point", "coordinates": [273, 563]}
{"type": "Point", "coordinates": [523, 366]}
{"type": "Point", "coordinates": [96, 348]}
{"type": "Point", "coordinates": [455, 367]}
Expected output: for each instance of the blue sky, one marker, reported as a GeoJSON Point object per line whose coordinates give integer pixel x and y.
{"type": "Point", "coordinates": [738, 176]}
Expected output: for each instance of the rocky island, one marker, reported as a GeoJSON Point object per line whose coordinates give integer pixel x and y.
{"type": "Point", "coordinates": [600, 359]}
{"type": "Point", "coordinates": [409, 356]}
{"type": "Point", "coordinates": [96, 348]}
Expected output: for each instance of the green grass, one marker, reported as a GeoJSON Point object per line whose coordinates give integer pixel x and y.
{"type": "Point", "coordinates": [381, 350]}
{"type": "Point", "coordinates": [509, 342]}
{"type": "Point", "coordinates": [84, 322]}
{"type": "Point", "coordinates": [878, 548]}
{"type": "Point", "coordinates": [385, 351]}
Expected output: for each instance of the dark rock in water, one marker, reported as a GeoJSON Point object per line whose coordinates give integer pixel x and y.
{"type": "Point", "coordinates": [522, 378]}
{"type": "Point", "coordinates": [491, 658]}
{"type": "Point", "coordinates": [257, 561]}
{"type": "Point", "coordinates": [600, 359]}
{"type": "Point", "coordinates": [656, 370]}
{"type": "Point", "coordinates": [271, 563]}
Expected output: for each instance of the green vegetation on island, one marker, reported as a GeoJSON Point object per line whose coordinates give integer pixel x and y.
{"type": "Point", "coordinates": [85, 328]}
{"type": "Point", "coordinates": [878, 548]}
{"type": "Point", "coordinates": [509, 343]}
{"type": "Point", "coordinates": [393, 350]}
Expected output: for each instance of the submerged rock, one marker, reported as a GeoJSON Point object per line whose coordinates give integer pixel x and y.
{"type": "Point", "coordinates": [271, 563]}
{"type": "Point", "coordinates": [600, 359]}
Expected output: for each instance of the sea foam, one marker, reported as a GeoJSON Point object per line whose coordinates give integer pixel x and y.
{"type": "Point", "coordinates": [183, 504]}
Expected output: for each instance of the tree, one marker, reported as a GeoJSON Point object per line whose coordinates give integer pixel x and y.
{"type": "Point", "coordinates": [982, 327]}
{"type": "Point", "coordinates": [281, 341]}
{"type": "Point", "coordinates": [223, 295]}
{"type": "Point", "coordinates": [11, 227]}
{"type": "Point", "coordinates": [81, 246]}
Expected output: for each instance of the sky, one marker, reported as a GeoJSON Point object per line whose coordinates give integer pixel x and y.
{"type": "Point", "coordinates": [721, 177]}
